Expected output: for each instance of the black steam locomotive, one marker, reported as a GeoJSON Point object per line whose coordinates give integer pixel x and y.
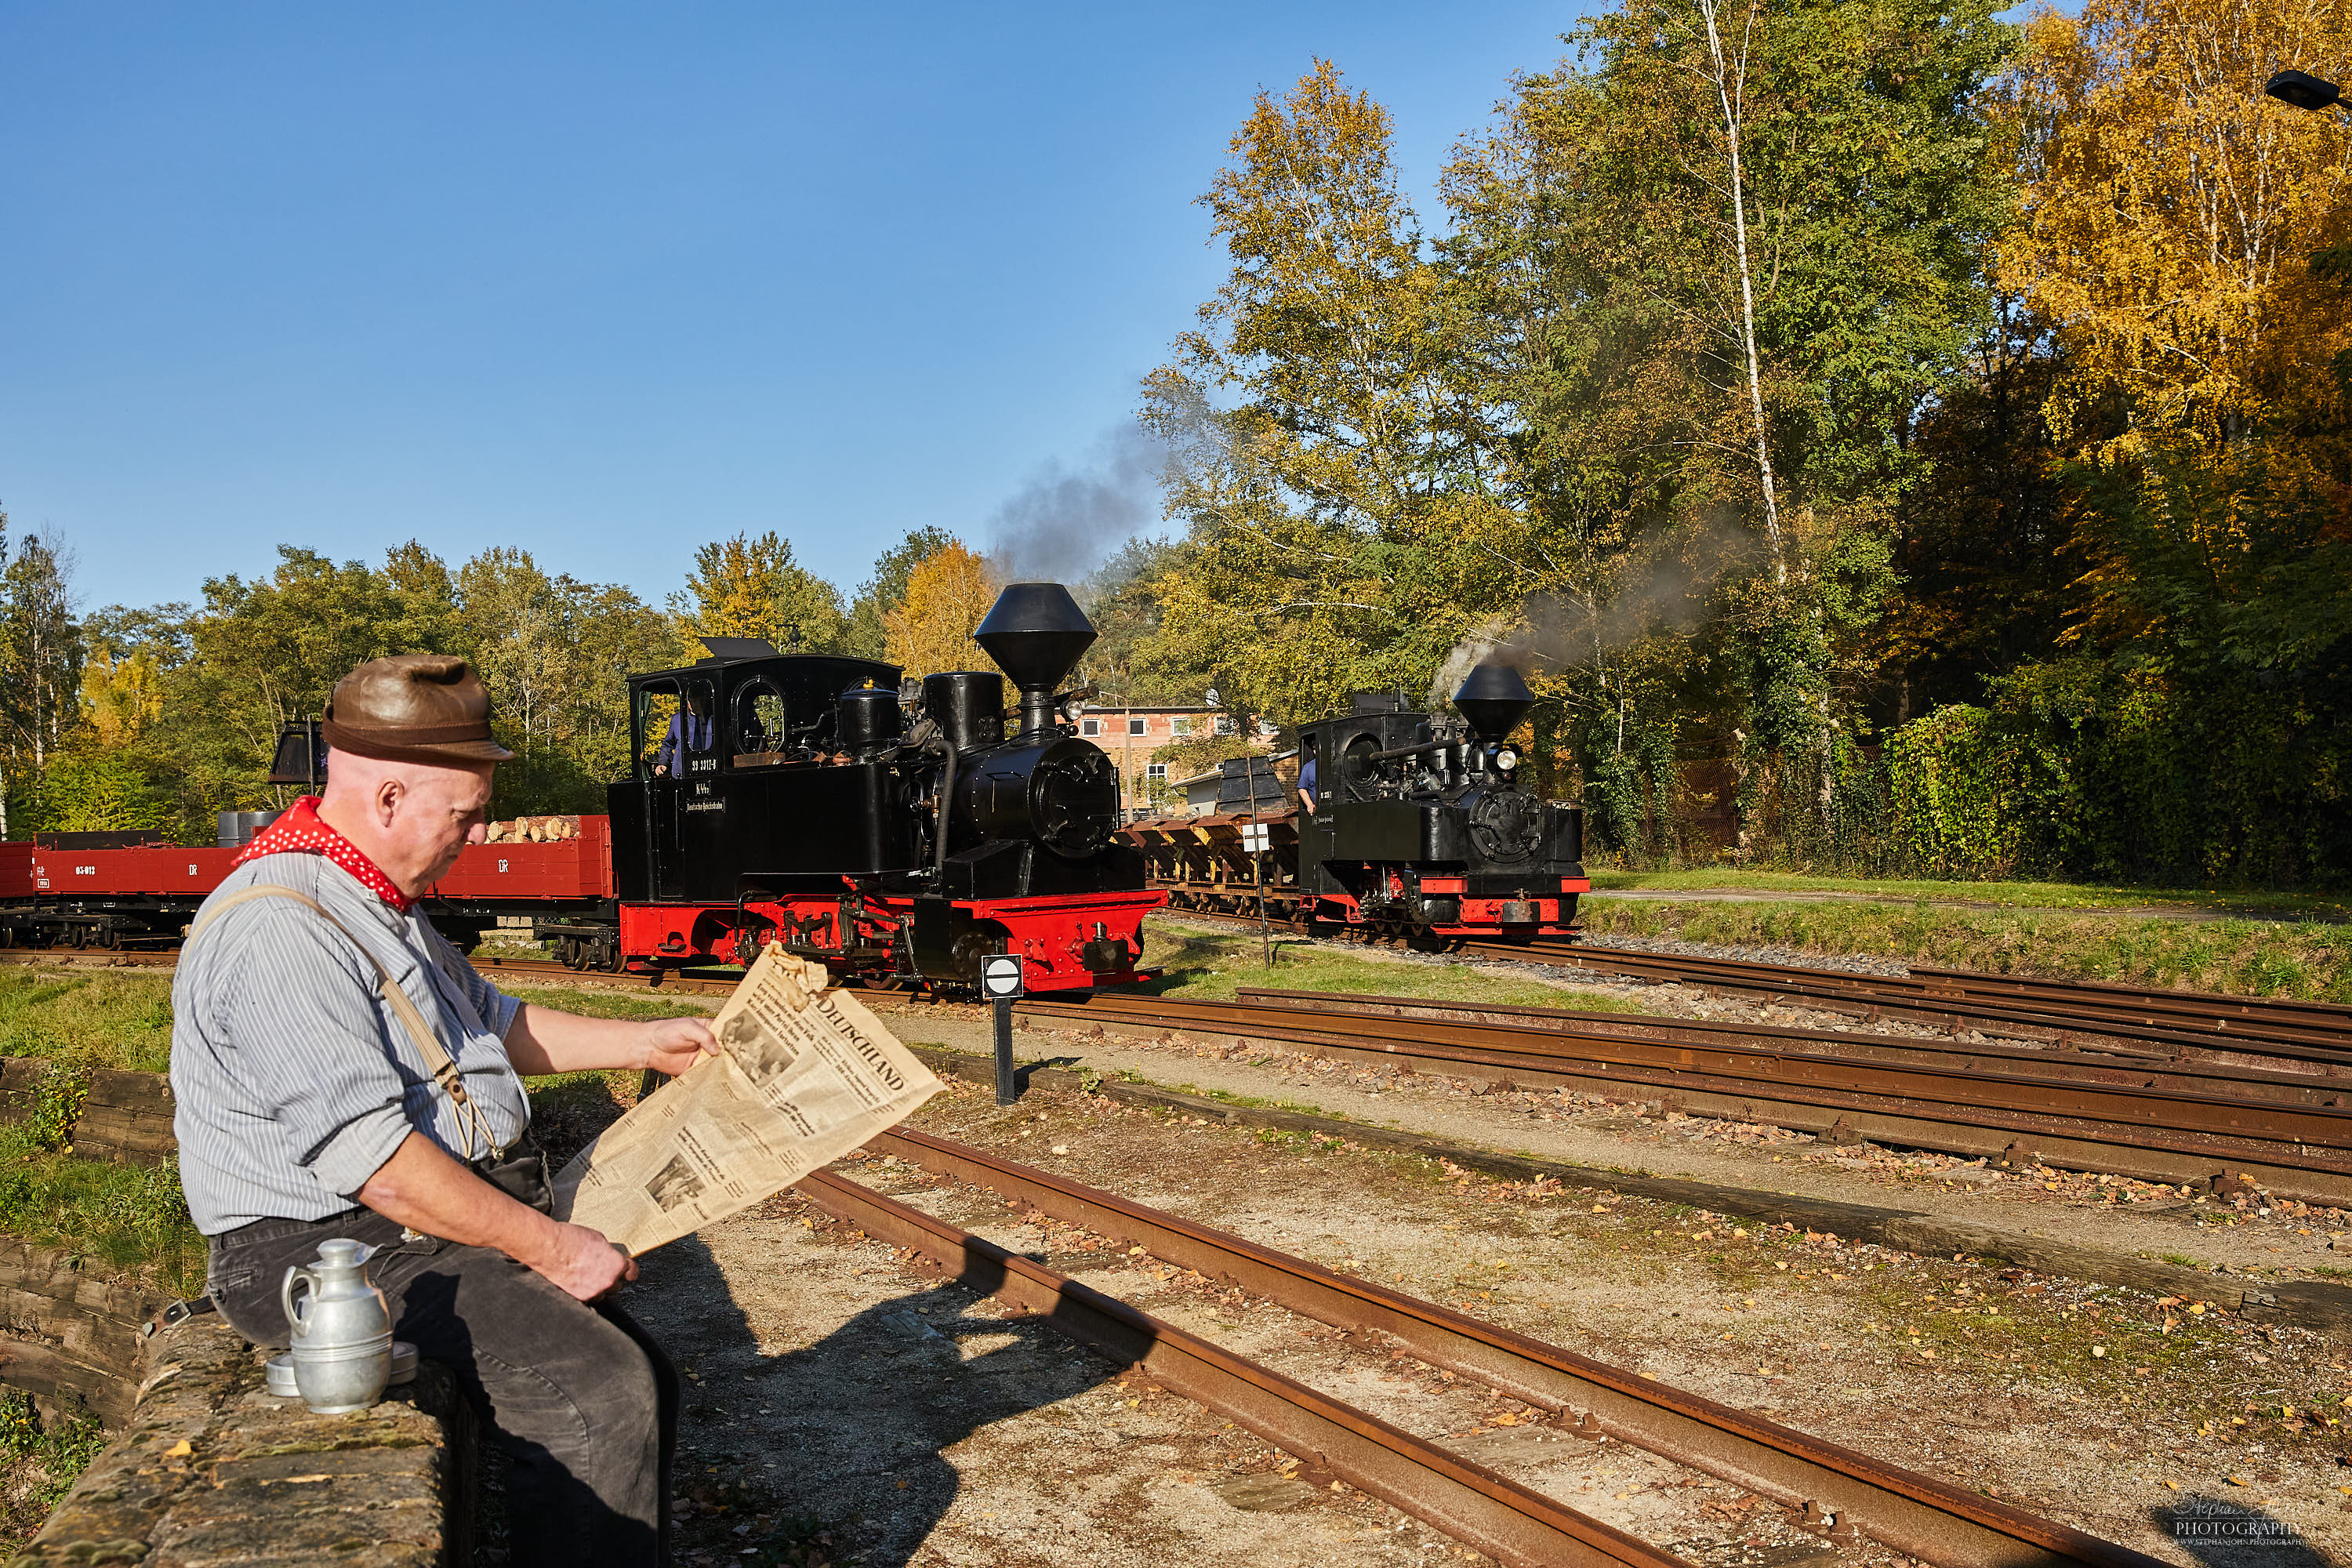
{"type": "Point", "coordinates": [797, 799]}
{"type": "Point", "coordinates": [1421, 828]}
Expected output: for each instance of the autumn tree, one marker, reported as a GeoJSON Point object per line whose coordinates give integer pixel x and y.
{"type": "Point", "coordinates": [1319, 443]}
{"type": "Point", "coordinates": [40, 650]}
{"type": "Point", "coordinates": [947, 594]}
{"type": "Point", "coordinates": [1723, 259]}
{"type": "Point", "coordinates": [2189, 242]}
{"type": "Point", "coordinates": [747, 587]}
{"type": "Point", "coordinates": [885, 589]}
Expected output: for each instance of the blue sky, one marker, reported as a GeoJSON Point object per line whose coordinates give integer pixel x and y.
{"type": "Point", "coordinates": [604, 282]}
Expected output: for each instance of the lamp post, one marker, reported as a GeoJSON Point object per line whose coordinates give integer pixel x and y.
{"type": "Point", "coordinates": [2305, 90]}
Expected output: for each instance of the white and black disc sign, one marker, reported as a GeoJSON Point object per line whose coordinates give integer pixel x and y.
{"type": "Point", "coordinates": [999, 975]}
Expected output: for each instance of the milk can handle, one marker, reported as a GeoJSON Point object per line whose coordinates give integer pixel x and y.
{"type": "Point", "coordinates": [295, 1273]}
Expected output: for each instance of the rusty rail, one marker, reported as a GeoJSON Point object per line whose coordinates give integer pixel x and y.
{"type": "Point", "coordinates": [1848, 1491]}
{"type": "Point", "coordinates": [2121, 1065]}
{"type": "Point", "coordinates": [1466, 1500]}
{"type": "Point", "coordinates": [2154, 1133]}
{"type": "Point", "coordinates": [2291, 1031]}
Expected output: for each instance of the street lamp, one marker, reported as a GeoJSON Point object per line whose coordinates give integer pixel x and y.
{"type": "Point", "coordinates": [2303, 90]}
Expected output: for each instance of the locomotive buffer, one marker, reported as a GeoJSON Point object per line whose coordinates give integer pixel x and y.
{"type": "Point", "coordinates": [999, 982]}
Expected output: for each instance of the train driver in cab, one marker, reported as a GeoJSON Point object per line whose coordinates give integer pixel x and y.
{"type": "Point", "coordinates": [1307, 778]}
{"type": "Point", "coordinates": [688, 734]}
{"type": "Point", "coordinates": [342, 1071]}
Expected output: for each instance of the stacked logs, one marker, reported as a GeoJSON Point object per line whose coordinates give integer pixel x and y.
{"type": "Point", "coordinates": [534, 830]}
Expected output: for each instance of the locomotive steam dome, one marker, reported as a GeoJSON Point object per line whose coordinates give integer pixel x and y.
{"type": "Point", "coordinates": [1494, 700]}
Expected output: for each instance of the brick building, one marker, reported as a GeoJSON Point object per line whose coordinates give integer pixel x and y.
{"type": "Point", "coordinates": [1132, 734]}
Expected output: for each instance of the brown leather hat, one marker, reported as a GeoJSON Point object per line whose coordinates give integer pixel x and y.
{"type": "Point", "coordinates": [414, 707]}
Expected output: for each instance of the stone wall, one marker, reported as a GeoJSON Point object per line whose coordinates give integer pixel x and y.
{"type": "Point", "coordinates": [208, 1468]}
{"type": "Point", "coordinates": [68, 1336]}
{"type": "Point", "coordinates": [71, 1338]}
{"type": "Point", "coordinates": [213, 1472]}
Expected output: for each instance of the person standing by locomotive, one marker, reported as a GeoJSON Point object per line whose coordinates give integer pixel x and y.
{"type": "Point", "coordinates": [689, 733]}
{"type": "Point", "coordinates": [340, 1070]}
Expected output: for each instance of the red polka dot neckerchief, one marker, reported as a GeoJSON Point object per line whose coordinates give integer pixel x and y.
{"type": "Point", "coordinates": [299, 831]}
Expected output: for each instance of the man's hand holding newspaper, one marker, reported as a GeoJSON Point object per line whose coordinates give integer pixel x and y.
{"type": "Point", "coordinates": [804, 1074]}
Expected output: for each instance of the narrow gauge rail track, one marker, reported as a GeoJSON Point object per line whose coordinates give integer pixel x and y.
{"type": "Point", "coordinates": [1963, 1107]}
{"type": "Point", "coordinates": [2246, 1027]}
{"type": "Point", "coordinates": [1466, 1500]}
{"type": "Point", "coordinates": [2241, 1027]}
{"type": "Point", "coordinates": [1842, 1493]}
{"type": "Point", "coordinates": [2119, 1066]}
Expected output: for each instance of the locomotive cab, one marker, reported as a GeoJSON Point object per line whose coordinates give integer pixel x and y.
{"type": "Point", "coordinates": [735, 758]}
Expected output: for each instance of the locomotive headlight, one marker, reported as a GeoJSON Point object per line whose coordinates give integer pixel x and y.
{"type": "Point", "coordinates": [1507, 758]}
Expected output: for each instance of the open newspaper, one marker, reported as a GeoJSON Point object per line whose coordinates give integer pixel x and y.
{"type": "Point", "coordinates": [804, 1074]}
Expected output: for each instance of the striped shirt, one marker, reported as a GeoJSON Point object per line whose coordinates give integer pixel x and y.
{"type": "Point", "coordinates": [293, 1079]}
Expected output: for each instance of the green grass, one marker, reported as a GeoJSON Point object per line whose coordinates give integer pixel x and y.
{"type": "Point", "coordinates": [125, 1020]}
{"type": "Point", "coordinates": [1198, 966]}
{"type": "Point", "coordinates": [133, 1219]}
{"type": "Point", "coordinates": [95, 1020]}
{"type": "Point", "coordinates": [2026, 895]}
{"type": "Point", "coordinates": [2251, 958]}
{"type": "Point", "coordinates": [596, 1002]}
{"type": "Point", "coordinates": [39, 1463]}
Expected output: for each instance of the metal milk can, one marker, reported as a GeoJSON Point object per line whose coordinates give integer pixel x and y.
{"type": "Point", "coordinates": [342, 1334]}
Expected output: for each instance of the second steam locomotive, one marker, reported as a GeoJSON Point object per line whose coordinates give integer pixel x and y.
{"type": "Point", "coordinates": [1422, 829]}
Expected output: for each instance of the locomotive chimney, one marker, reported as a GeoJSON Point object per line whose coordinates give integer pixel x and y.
{"type": "Point", "coordinates": [1037, 633]}
{"type": "Point", "coordinates": [1494, 699]}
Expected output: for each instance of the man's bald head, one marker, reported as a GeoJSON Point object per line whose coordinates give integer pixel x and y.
{"type": "Point", "coordinates": [410, 817]}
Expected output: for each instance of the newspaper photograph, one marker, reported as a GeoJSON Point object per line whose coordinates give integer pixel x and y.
{"type": "Point", "coordinates": [803, 1075]}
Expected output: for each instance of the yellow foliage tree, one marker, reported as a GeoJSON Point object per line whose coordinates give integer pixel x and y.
{"type": "Point", "coordinates": [120, 697]}
{"type": "Point", "coordinates": [748, 587]}
{"type": "Point", "coordinates": [2187, 236]}
{"type": "Point", "coordinates": [947, 596]}
{"type": "Point", "coordinates": [2173, 212]}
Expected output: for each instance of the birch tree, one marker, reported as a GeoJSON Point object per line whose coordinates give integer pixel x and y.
{"type": "Point", "coordinates": [41, 656]}
{"type": "Point", "coordinates": [1767, 219]}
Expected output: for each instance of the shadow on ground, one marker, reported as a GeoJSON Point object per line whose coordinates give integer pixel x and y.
{"type": "Point", "coordinates": [837, 1445]}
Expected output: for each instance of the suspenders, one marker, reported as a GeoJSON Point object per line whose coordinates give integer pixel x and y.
{"type": "Point", "coordinates": [470, 1123]}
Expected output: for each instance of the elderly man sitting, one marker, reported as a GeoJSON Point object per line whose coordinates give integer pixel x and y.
{"type": "Point", "coordinates": [340, 1070]}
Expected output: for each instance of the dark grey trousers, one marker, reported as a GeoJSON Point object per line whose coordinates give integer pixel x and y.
{"type": "Point", "coordinates": [579, 1396]}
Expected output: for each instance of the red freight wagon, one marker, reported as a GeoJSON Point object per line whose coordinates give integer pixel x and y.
{"type": "Point", "coordinates": [567, 870]}
{"type": "Point", "coordinates": [59, 893]}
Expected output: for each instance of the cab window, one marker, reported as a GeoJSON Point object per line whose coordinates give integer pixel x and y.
{"type": "Point", "coordinates": [759, 725]}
